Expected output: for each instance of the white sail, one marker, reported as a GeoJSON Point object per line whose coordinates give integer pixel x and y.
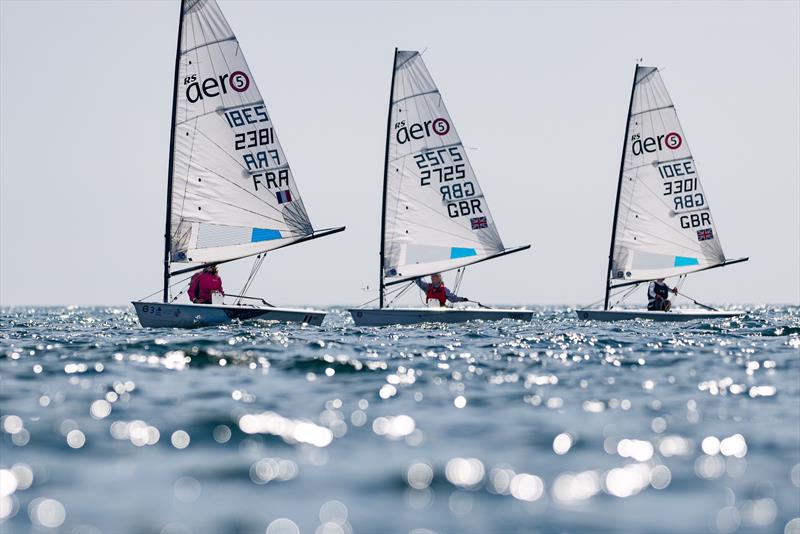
{"type": "Point", "coordinates": [233, 193]}
{"type": "Point", "coordinates": [664, 226]}
{"type": "Point", "coordinates": [436, 216]}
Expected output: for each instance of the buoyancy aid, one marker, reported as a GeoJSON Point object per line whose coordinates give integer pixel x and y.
{"type": "Point", "coordinates": [657, 293]}
{"type": "Point", "coordinates": [437, 293]}
{"type": "Point", "coordinates": [661, 290]}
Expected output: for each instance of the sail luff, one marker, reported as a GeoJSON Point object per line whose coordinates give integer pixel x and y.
{"type": "Point", "coordinates": [170, 163]}
{"type": "Point", "coordinates": [385, 180]}
{"type": "Point", "coordinates": [619, 189]}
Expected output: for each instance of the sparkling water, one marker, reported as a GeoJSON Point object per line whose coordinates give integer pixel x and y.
{"type": "Point", "coordinates": [557, 425]}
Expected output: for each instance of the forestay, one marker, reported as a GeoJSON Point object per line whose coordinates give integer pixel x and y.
{"type": "Point", "coordinates": [437, 218]}
{"type": "Point", "coordinates": [664, 226]}
{"type": "Point", "coordinates": [233, 193]}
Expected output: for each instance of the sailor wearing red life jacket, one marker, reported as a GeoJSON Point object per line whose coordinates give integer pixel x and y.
{"type": "Point", "coordinates": [203, 284]}
{"type": "Point", "coordinates": [436, 291]}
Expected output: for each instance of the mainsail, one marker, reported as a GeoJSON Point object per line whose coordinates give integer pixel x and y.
{"type": "Point", "coordinates": [233, 193]}
{"type": "Point", "coordinates": [664, 226]}
{"type": "Point", "coordinates": [436, 217]}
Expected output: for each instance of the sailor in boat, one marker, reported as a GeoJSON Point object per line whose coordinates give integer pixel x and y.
{"type": "Point", "coordinates": [436, 291]}
{"type": "Point", "coordinates": [205, 283]}
{"type": "Point", "coordinates": [658, 295]}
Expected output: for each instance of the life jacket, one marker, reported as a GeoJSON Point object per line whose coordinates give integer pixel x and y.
{"type": "Point", "coordinates": [661, 290]}
{"type": "Point", "coordinates": [660, 293]}
{"type": "Point", "coordinates": [437, 293]}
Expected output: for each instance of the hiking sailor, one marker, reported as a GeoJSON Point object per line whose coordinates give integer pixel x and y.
{"type": "Point", "coordinates": [658, 295]}
{"type": "Point", "coordinates": [436, 291]}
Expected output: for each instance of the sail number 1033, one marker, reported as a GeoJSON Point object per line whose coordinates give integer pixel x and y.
{"type": "Point", "coordinates": [680, 182]}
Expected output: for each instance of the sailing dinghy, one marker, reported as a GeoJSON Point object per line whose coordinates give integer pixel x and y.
{"type": "Point", "coordinates": [662, 220]}
{"type": "Point", "coordinates": [230, 191]}
{"type": "Point", "coordinates": [434, 216]}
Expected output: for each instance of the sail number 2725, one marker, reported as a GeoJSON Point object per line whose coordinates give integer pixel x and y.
{"type": "Point", "coordinates": [446, 167]}
{"type": "Point", "coordinates": [433, 164]}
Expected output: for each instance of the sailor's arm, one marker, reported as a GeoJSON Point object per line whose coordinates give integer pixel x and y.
{"type": "Point", "coordinates": [452, 297]}
{"type": "Point", "coordinates": [422, 285]}
{"type": "Point", "coordinates": [193, 288]}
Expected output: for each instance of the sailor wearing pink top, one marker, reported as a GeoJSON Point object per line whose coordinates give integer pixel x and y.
{"type": "Point", "coordinates": [203, 284]}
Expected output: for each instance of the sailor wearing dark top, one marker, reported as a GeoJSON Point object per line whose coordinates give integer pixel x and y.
{"type": "Point", "coordinates": [436, 290]}
{"type": "Point", "coordinates": [658, 295]}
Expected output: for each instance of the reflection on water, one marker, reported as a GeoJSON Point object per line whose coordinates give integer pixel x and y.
{"type": "Point", "coordinates": [557, 425]}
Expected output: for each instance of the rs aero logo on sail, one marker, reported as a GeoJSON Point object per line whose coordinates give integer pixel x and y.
{"type": "Point", "coordinates": [210, 87]}
{"type": "Point", "coordinates": [639, 146]}
{"type": "Point", "coordinates": [405, 133]}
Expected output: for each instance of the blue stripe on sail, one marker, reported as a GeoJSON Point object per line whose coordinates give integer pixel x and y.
{"type": "Point", "coordinates": [458, 252]}
{"type": "Point", "coordinates": [681, 261]}
{"type": "Point", "coordinates": [264, 234]}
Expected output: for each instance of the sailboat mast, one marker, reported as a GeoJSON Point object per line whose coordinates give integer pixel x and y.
{"type": "Point", "coordinates": [168, 230]}
{"type": "Point", "coordinates": [386, 178]}
{"type": "Point", "coordinates": [619, 190]}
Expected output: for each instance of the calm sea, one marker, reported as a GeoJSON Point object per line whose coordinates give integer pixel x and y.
{"type": "Point", "coordinates": [557, 425]}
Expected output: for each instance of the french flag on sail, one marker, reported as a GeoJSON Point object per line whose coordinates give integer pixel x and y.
{"type": "Point", "coordinates": [284, 196]}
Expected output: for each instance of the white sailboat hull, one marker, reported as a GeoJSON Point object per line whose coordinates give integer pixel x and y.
{"type": "Point", "coordinates": [395, 316]}
{"type": "Point", "coordinates": [672, 315]}
{"type": "Point", "coordinates": [160, 315]}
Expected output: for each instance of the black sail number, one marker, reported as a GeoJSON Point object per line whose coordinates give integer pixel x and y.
{"type": "Point", "coordinates": [254, 138]}
{"type": "Point", "coordinates": [442, 174]}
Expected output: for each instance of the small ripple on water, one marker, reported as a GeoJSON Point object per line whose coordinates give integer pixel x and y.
{"type": "Point", "coordinates": [477, 427]}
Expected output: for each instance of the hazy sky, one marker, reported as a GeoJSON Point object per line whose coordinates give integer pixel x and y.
{"type": "Point", "coordinates": [538, 90]}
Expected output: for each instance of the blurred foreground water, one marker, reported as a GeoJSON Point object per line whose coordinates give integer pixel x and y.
{"type": "Point", "coordinates": [557, 425]}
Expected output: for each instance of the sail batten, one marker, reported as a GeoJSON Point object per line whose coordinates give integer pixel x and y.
{"type": "Point", "coordinates": [663, 226]}
{"type": "Point", "coordinates": [436, 216]}
{"type": "Point", "coordinates": [433, 92]}
{"type": "Point", "coordinates": [233, 191]}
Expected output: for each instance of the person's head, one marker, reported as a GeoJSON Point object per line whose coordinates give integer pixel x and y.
{"type": "Point", "coordinates": [211, 269]}
{"type": "Point", "coordinates": [436, 278]}
{"type": "Point", "coordinates": [660, 280]}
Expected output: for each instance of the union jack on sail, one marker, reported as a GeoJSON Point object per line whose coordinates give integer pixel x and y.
{"type": "Point", "coordinates": [478, 223]}
{"type": "Point", "coordinates": [705, 234]}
